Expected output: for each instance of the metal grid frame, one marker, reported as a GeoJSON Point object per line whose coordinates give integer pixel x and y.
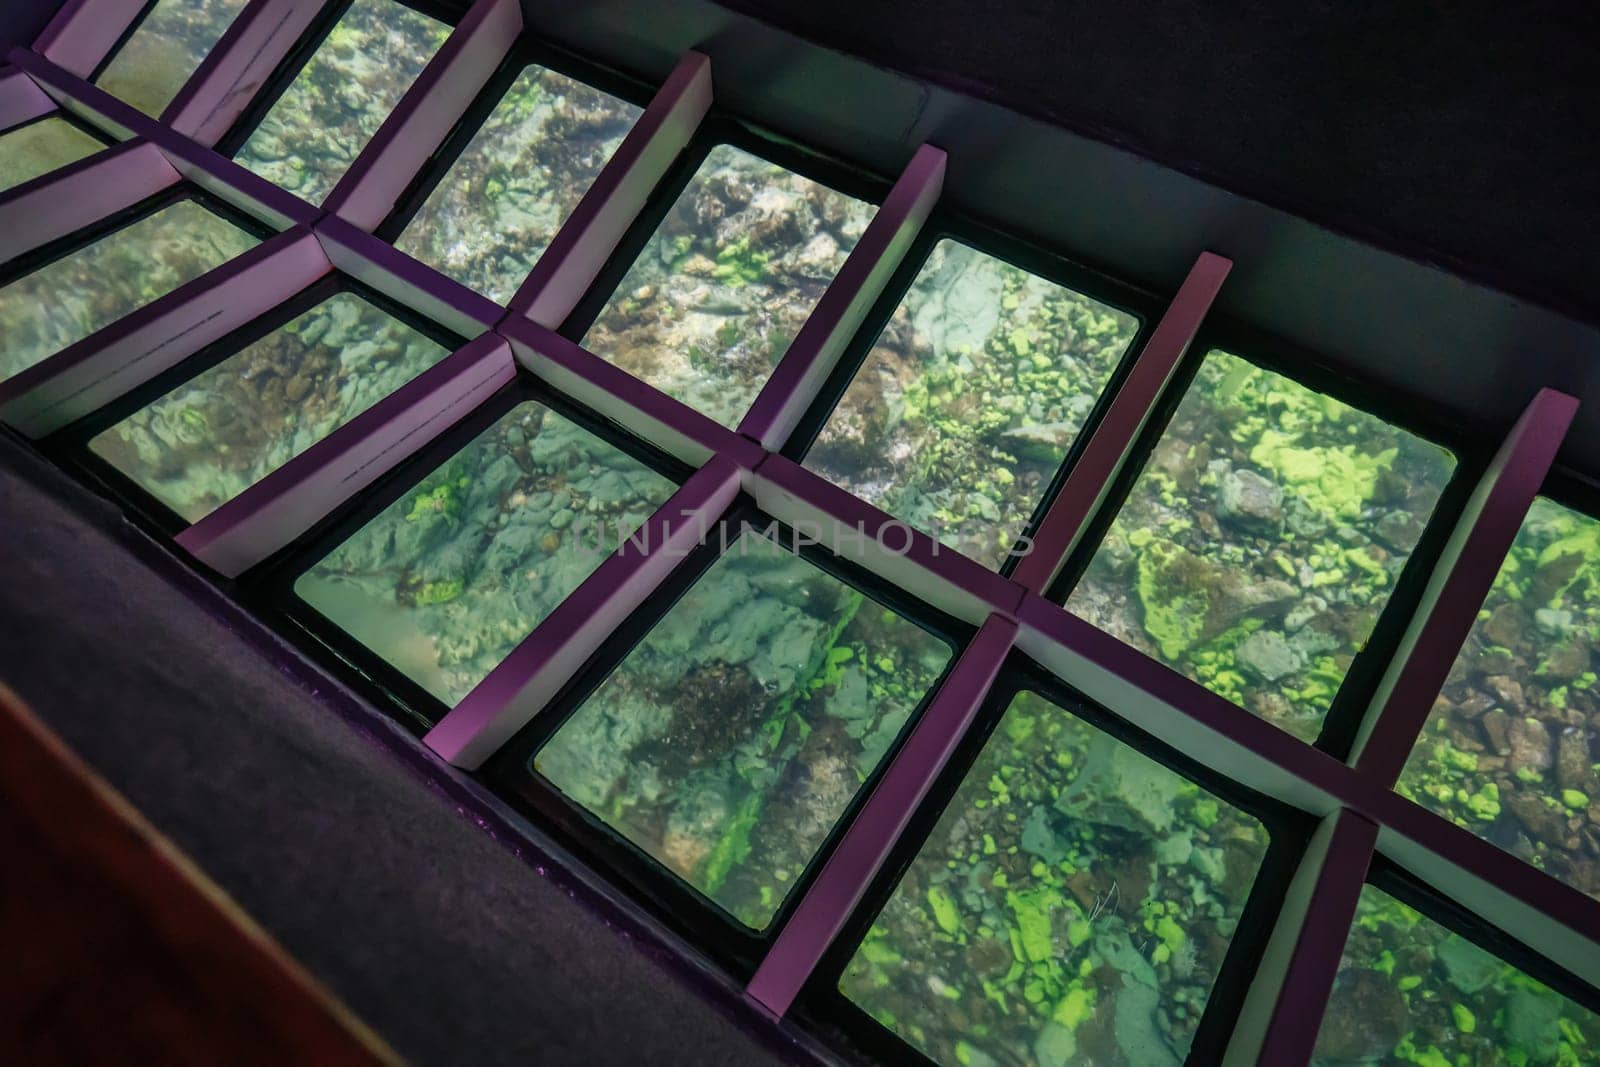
{"type": "Point", "coordinates": [1360, 815]}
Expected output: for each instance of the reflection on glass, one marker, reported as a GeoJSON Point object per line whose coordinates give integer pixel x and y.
{"type": "Point", "coordinates": [226, 429]}
{"type": "Point", "coordinates": [330, 111]}
{"type": "Point", "coordinates": [1511, 750]}
{"type": "Point", "coordinates": [446, 581]}
{"type": "Point", "coordinates": [1411, 992]}
{"type": "Point", "coordinates": [1072, 906]}
{"type": "Point", "coordinates": [1262, 539]}
{"type": "Point", "coordinates": [41, 147]}
{"type": "Point", "coordinates": [718, 293]}
{"type": "Point", "coordinates": [733, 737]}
{"type": "Point", "coordinates": [489, 220]}
{"type": "Point", "coordinates": [67, 300]}
{"type": "Point", "coordinates": [165, 49]}
{"type": "Point", "coordinates": [963, 410]}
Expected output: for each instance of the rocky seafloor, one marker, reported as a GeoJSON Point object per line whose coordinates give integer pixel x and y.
{"type": "Point", "coordinates": [1072, 906]}
{"type": "Point", "coordinates": [1511, 750]}
{"type": "Point", "coordinates": [970, 399]}
{"type": "Point", "coordinates": [67, 300]}
{"type": "Point", "coordinates": [315, 130]}
{"type": "Point", "coordinates": [1411, 992]}
{"type": "Point", "coordinates": [1262, 539]}
{"type": "Point", "coordinates": [233, 424]}
{"type": "Point", "coordinates": [36, 149]}
{"type": "Point", "coordinates": [712, 302]}
{"type": "Point", "coordinates": [165, 49]}
{"type": "Point", "coordinates": [735, 734]}
{"type": "Point", "coordinates": [448, 580]}
{"type": "Point", "coordinates": [502, 201]}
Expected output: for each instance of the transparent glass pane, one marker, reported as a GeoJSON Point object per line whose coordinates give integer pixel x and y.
{"type": "Point", "coordinates": [1511, 750]}
{"type": "Point", "coordinates": [1262, 539]}
{"type": "Point", "coordinates": [224, 430]}
{"type": "Point", "coordinates": [732, 738]}
{"type": "Point", "coordinates": [1073, 905]}
{"type": "Point", "coordinates": [1410, 992]}
{"type": "Point", "coordinates": [336, 103]}
{"type": "Point", "coordinates": [490, 219]}
{"type": "Point", "coordinates": [970, 399]}
{"type": "Point", "coordinates": [41, 147]}
{"type": "Point", "coordinates": [448, 580]}
{"type": "Point", "coordinates": [716, 296]}
{"type": "Point", "coordinates": [69, 299]}
{"type": "Point", "coordinates": [165, 49]}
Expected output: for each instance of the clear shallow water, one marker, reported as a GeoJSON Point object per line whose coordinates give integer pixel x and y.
{"type": "Point", "coordinates": [448, 580]}
{"type": "Point", "coordinates": [970, 399]}
{"type": "Point", "coordinates": [165, 49]}
{"type": "Point", "coordinates": [711, 304]}
{"type": "Point", "coordinates": [730, 740]}
{"type": "Point", "coordinates": [336, 103]}
{"type": "Point", "coordinates": [493, 214]}
{"type": "Point", "coordinates": [69, 299]}
{"type": "Point", "coordinates": [1262, 539]}
{"type": "Point", "coordinates": [1511, 750]}
{"type": "Point", "coordinates": [230, 426]}
{"type": "Point", "coordinates": [1072, 906]}
{"type": "Point", "coordinates": [1409, 991]}
{"type": "Point", "coordinates": [38, 148]}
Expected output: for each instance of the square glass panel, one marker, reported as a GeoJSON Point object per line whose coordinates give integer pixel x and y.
{"type": "Point", "coordinates": [166, 48]}
{"type": "Point", "coordinates": [1511, 750]}
{"type": "Point", "coordinates": [1409, 991]}
{"type": "Point", "coordinates": [970, 399]}
{"type": "Point", "coordinates": [65, 301]}
{"type": "Point", "coordinates": [732, 738]}
{"type": "Point", "coordinates": [490, 219]}
{"type": "Point", "coordinates": [447, 581]}
{"type": "Point", "coordinates": [326, 116]}
{"type": "Point", "coordinates": [1262, 539]}
{"type": "Point", "coordinates": [38, 148]}
{"type": "Point", "coordinates": [227, 428]}
{"type": "Point", "coordinates": [713, 301]}
{"type": "Point", "coordinates": [1072, 905]}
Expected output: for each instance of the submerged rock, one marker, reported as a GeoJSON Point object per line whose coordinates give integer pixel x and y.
{"type": "Point", "coordinates": [1266, 655]}
{"type": "Point", "coordinates": [1365, 1018]}
{"type": "Point", "coordinates": [1250, 501]}
{"type": "Point", "coordinates": [1119, 787]}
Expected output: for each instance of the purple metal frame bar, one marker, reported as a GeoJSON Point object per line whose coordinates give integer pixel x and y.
{"type": "Point", "coordinates": [861, 852]}
{"type": "Point", "coordinates": [21, 99]}
{"type": "Point", "coordinates": [1113, 439]}
{"type": "Point", "coordinates": [85, 31]}
{"type": "Point", "coordinates": [76, 197]}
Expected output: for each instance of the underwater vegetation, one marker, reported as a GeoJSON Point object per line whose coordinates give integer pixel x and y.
{"type": "Point", "coordinates": [1511, 750]}
{"type": "Point", "coordinates": [166, 48]}
{"type": "Point", "coordinates": [67, 300]}
{"type": "Point", "coordinates": [1262, 539]}
{"type": "Point", "coordinates": [970, 399]}
{"type": "Point", "coordinates": [1409, 991]}
{"type": "Point", "coordinates": [445, 582]}
{"type": "Point", "coordinates": [221, 432]}
{"type": "Point", "coordinates": [326, 116]}
{"type": "Point", "coordinates": [38, 148]}
{"type": "Point", "coordinates": [732, 738]}
{"type": "Point", "coordinates": [493, 214]}
{"type": "Point", "coordinates": [715, 297]}
{"type": "Point", "coordinates": [1072, 906]}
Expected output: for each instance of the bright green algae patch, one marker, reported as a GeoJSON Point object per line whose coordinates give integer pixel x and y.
{"type": "Point", "coordinates": [448, 580]}
{"type": "Point", "coordinates": [970, 399]}
{"type": "Point", "coordinates": [1072, 906]}
{"type": "Point", "coordinates": [326, 116]}
{"type": "Point", "coordinates": [67, 300]}
{"type": "Point", "coordinates": [723, 286]}
{"type": "Point", "coordinates": [733, 737]}
{"type": "Point", "coordinates": [166, 48]}
{"type": "Point", "coordinates": [40, 147]}
{"type": "Point", "coordinates": [491, 217]}
{"type": "Point", "coordinates": [1511, 750]}
{"type": "Point", "coordinates": [232, 425]}
{"type": "Point", "coordinates": [1262, 539]}
{"type": "Point", "coordinates": [1409, 991]}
